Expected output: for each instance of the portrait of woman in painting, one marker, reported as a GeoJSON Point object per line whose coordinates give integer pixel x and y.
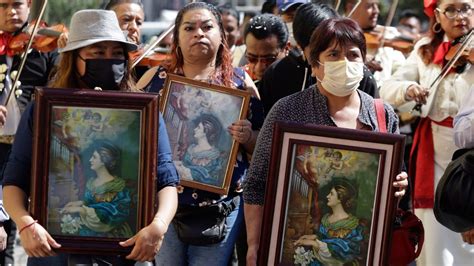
{"type": "Point", "coordinates": [202, 160]}
{"type": "Point", "coordinates": [340, 237]}
{"type": "Point", "coordinates": [106, 206]}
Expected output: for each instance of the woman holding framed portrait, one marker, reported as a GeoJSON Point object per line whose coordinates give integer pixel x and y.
{"type": "Point", "coordinates": [94, 56]}
{"type": "Point", "coordinates": [336, 54]}
{"type": "Point", "coordinates": [200, 52]}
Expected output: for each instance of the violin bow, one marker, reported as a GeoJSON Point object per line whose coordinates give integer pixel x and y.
{"type": "Point", "coordinates": [448, 66]}
{"type": "Point", "coordinates": [336, 6]}
{"type": "Point", "coordinates": [354, 8]}
{"type": "Point", "coordinates": [155, 43]}
{"type": "Point", "coordinates": [25, 53]}
{"type": "Point", "coordinates": [388, 22]}
{"type": "Point", "coordinates": [152, 46]}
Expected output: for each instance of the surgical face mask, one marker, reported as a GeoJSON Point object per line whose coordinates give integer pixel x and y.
{"type": "Point", "coordinates": [104, 73]}
{"type": "Point", "coordinates": [342, 77]}
{"type": "Point", "coordinates": [291, 38]}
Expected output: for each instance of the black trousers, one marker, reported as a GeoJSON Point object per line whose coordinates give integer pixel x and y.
{"type": "Point", "coordinates": [6, 256]}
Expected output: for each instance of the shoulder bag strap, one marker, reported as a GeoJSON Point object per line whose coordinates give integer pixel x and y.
{"type": "Point", "coordinates": [380, 110]}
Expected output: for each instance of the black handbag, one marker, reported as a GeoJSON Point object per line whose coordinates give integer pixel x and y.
{"type": "Point", "coordinates": [205, 225]}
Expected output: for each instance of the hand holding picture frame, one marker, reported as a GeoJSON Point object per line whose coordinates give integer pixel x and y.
{"type": "Point", "coordinates": [329, 197]}
{"type": "Point", "coordinates": [94, 167]}
{"type": "Point", "coordinates": [197, 115]}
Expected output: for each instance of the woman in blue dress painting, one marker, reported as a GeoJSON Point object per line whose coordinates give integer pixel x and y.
{"type": "Point", "coordinates": [105, 209]}
{"type": "Point", "coordinates": [202, 160]}
{"type": "Point", "coordinates": [340, 237]}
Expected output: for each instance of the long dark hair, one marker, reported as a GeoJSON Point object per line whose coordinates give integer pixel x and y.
{"type": "Point", "coordinates": [65, 74]}
{"type": "Point", "coordinates": [224, 70]}
{"type": "Point", "coordinates": [212, 127]}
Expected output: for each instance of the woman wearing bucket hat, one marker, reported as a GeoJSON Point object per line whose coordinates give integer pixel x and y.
{"type": "Point", "coordinates": [95, 56]}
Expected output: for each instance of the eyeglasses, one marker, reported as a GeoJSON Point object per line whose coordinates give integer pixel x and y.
{"type": "Point", "coordinates": [452, 12]}
{"type": "Point", "coordinates": [267, 60]}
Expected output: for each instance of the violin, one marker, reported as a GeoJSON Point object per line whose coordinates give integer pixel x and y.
{"type": "Point", "coordinates": [466, 55]}
{"type": "Point", "coordinates": [399, 42]}
{"type": "Point", "coordinates": [154, 58]}
{"type": "Point", "coordinates": [44, 41]}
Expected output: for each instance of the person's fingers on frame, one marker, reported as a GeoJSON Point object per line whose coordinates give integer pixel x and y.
{"type": "Point", "coordinates": [134, 254]}
{"type": "Point", "coordinates": [41, 252]}
{"type": "Point", "coordinates": [400, 193]}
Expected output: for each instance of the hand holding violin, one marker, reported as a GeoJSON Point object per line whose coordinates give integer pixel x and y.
{"type": "Point", "coordinates": [62, 40]}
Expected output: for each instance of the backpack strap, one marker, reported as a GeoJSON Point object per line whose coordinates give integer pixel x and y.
{"type": "Point", "coordinates": [380, 111]}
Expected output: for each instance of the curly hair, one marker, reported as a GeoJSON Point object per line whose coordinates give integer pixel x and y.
{"type": "Point", "coordinates": [109, 155]}
{"type": "Point", "coordinates": [224, 70]}
{"type": "Point", "coordinates": [346, 192]}
{"type": "Point", "coordinates": [212, 127]}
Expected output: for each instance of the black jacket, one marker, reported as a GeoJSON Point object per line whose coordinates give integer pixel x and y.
{"type": "Point", "coordinates": [36, 72]}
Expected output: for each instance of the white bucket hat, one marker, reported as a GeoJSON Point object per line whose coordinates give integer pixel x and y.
{"type": "Point", "coordinates": [92, 26]}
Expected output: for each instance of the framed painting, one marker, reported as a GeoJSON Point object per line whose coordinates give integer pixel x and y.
{"type": "Point", "coordinates": [329, 198]}
{"type": "Point", "coordinates": [197, 115]}
{"type": "Point", "coordinates": [94, 166]}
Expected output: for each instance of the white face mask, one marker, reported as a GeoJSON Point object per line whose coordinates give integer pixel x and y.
{"type": "Point", "coordinates": [291, 38]}
{"type": "Point", "coordinates": [342, 77]}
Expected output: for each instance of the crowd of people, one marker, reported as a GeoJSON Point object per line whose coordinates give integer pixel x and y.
{"type": "Point", "coordinates": [299, 61]}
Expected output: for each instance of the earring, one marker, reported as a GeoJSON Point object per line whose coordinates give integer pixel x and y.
{"type": "Point", "coordinates": [437, 27]}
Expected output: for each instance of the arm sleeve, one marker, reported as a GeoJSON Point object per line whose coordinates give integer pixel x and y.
{"type": "Point", "coordinates": [167, 174]}
{"type": "Point", "coordinates": [18, 168]}
{"type": "Point", "coordinates": [464, 123]}
{"type": "Point", "coordinates": [255, 182]}
{"type": "Point", "coordinates": [393, 90]}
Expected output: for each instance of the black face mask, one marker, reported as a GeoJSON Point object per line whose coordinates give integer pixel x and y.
{"type": "Point", "coordinates": [104, 73]}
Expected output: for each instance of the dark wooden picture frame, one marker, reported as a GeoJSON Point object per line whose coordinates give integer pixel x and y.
{"type": "Point", "coordinates": [197, 114]}
{"type": "Point", "coordinates": [319, 174]}
{"type": "Point", "coordinates": [79, 134]}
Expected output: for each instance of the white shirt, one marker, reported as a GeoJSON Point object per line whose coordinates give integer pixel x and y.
{"type": "Point", "coordinates": [464, 122]}
{"type": "Point", "coordinates": [443, 101]}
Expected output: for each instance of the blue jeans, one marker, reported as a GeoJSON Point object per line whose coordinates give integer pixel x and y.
{"type": "Point", "coordinates": [174, 252]}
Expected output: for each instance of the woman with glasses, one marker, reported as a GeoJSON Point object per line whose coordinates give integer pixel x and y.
{"type": "Point", "coordinates": [433, 144]}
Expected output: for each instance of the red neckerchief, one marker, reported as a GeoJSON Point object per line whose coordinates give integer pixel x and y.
{"type": "Point", "coordinates": [421, 166]}
{"type": "Point", "coordinates": [440, 53]}
{"type": "Point", "coordinates": [5, 39]}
